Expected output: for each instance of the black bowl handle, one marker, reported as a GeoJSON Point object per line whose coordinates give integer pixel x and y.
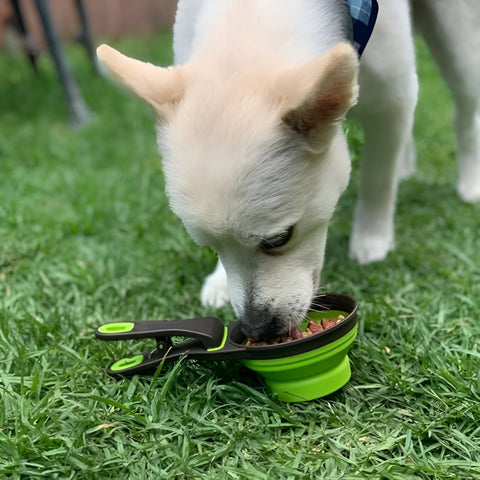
{"type": "Point", "coordinates": [208, 330]}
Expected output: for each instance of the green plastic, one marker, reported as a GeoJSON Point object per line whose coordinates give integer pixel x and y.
{"type": "Point", "coordinates": [308, 375]}
{"type": "Point", "coordinates": [125, 363]}
{"type": "Point", "coordinates": [119, 327]}
{"type": "Point", "coordinates": [222, 344]}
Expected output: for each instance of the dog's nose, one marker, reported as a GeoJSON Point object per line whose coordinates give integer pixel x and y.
{"type": "Point", "coordinates": [260, 322]}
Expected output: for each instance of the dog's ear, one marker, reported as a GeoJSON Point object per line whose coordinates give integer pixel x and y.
{"type": "Point", "coordinates": [161, 87]}
{"type": "Point", "coordinates": [322, 90]}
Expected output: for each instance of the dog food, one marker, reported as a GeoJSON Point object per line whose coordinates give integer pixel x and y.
{"type": "Point", "coordinates": [313, 327]}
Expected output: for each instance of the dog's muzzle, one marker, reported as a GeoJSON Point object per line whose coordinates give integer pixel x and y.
{"type": "Point", "coordinates": [259, 322]}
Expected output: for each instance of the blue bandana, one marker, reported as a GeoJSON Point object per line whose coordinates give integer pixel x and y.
{"type": "Point", "coordinates": [364, 14]}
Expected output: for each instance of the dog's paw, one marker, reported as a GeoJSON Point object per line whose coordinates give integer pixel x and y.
{"type": "Point", "coordinates": [468, 188]}
{"type": "Point", "coordinates": [369, 248]}
{"type": "Point", "coordinates": [215, 291]}
{"type": "Point", "coordinates": [371, 243]}
{"type": "Point", "coordinates": [372, 233]}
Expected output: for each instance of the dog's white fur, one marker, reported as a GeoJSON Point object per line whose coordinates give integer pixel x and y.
{"type": "Point", "coordinates": [249, 127]}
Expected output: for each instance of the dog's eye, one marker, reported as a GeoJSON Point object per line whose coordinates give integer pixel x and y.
{"type": "Point", "coordinates": [277, 241]}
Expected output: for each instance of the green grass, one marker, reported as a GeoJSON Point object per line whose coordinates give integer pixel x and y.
{"type": "Point", "coordinates": [86, 237]}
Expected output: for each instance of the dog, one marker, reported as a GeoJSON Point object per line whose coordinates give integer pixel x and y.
{"type": "Point", "coordinates": [249, 126]}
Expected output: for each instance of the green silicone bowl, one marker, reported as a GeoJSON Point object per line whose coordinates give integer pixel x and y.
{"type": "Point", "coordinates": [308, 375]}
{"type": "Point", "coordinates": [322, 365]}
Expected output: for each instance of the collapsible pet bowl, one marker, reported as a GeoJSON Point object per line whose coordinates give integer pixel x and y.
{"type": "Point", "coordinates": [297, 370]}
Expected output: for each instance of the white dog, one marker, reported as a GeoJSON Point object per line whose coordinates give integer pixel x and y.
{"type": "Point", "coordinates": [249, 128]}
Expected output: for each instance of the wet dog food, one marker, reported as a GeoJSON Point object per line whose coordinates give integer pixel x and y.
{"type": "Point", "coordinates": [313, 327]}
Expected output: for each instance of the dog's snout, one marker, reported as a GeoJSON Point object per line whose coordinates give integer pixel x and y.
{"type": "Point", "coordinates": [260, 322]}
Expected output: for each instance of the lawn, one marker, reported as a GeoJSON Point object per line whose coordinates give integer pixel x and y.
{"type": "Point", "coordinates": [86, 238]}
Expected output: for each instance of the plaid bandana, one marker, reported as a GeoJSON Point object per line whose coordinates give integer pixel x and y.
{"type": "Point", "coordinates": [364, 14]}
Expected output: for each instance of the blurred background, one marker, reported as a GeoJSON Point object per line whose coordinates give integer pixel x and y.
{"type": "Point", "coordinates": [106, 18]}
{"type": "Point", "coordinates": [31, 28]}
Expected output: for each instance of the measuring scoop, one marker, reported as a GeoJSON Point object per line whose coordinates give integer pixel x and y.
{"type": "Point", "coordinates": [296, 370]}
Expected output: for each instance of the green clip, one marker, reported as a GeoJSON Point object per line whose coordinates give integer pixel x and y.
{"type": "Point", "coordinates": [125, 363]}
{"type": "Point", "coordinates": [119, 327]}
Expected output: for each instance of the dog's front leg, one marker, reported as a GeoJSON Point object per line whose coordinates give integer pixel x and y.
{"type": "Point", "coordinates": [451, 31]}
{"type": "Point", "coordinates": [373, 223]}
{"type": "Point", "coordinates": [388, 96]}
{"type": "Point", "coordinates": [215, 289]}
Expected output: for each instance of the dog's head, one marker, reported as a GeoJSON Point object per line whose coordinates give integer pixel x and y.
{"type": "Point", "coordinates": [254, 163]}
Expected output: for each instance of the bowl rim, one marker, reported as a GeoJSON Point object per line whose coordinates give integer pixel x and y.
{"type": "Point", "coordinates": [326, 301]}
